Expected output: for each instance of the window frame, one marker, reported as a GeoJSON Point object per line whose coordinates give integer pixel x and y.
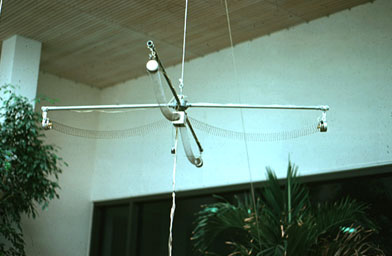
{"type": "Point", "coordinates": [134, 202]}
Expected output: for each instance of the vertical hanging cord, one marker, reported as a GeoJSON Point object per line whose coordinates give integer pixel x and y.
{"type": "Point", "coordinates": [242, 121]}
{"type": "Point", "coordinates": [173, 208]}
{"type": "Point", "coordinates": [183, 47]}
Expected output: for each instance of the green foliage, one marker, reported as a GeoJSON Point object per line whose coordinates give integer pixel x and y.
{"type": "Point", "coordinates": [28, 169]}
{"type": "Point", "coordinates": [281, 221]}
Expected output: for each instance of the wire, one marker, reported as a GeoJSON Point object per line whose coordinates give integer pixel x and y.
{"type": "Point", "coordinates": [183, 47]}
{"type": "Point", "coordinates": [242, 118]}
{"type": "Point", "coordinates": [173, 208]}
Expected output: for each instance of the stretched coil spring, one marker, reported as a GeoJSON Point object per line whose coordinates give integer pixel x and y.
{"type": "Point", "coordinates": [202, 126]}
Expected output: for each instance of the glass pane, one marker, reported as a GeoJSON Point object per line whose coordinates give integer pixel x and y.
{"type": "Point", "coordinates": [153, 228]}
{"type": "Point", "coordinates": [114, 230]}
{"type": "Point", "coordinates": [154, 220]}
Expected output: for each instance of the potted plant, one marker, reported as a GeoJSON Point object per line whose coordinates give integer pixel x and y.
{"type": "Point", "coordinates": [29, 169]}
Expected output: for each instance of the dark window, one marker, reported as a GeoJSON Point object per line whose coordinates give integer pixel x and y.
{"type": "Point", "coordinates": [114, 230]}
{"type": "Point", "coordinates": [110, 230]}
{"type": "Point", "coordinates": [153, 220]}
{"type": "Point", "coordinates": [140, 226]}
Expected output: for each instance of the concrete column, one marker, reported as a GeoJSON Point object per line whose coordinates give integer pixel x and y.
{"type": "Point", "coordinates": [19, 64]}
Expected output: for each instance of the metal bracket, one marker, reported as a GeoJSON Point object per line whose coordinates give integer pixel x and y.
{"type": "Point", "coordinates": [181, 121]}
{"type": "Point", "coordinates": [46, 123]}
{"type": "Point", "coordinates": [323, 125]}
{"type": "Point", "coordinates": [151, 47]}
{"type": "Point", "coordinates": [183, 102]}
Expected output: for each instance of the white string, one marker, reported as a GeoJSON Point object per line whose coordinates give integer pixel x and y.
{"type": "Point", "coordinates": [183, 48]}
{"type": "Point", "coordinates": [173, 208]}
{"type": "Point", "coordinates": [242, 117]}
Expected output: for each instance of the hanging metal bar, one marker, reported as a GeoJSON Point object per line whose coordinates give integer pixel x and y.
{"type": "Point", "coordinates": [155, 56]}
{"type": "Point", "coordinates": [194, 135]}
{"type": "Point", "coordinates": [98, 107]}
{"type": "Point", "coordinates": [181, 105]}
{"type": "Point", "coordinates": [187, 105]}
{"type": "Point", "coordinates": [230, 105]}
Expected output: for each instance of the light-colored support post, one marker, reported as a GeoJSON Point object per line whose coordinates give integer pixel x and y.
{"type": "Point", "coordinates": [19, 64]}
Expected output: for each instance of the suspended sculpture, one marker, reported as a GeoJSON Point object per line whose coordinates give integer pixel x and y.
{"type": "Point", "coordinates": [174, 110]}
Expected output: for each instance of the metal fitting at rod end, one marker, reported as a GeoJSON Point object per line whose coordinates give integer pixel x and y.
{"type": "Point", "coordinates": [198, 162]}
{"type": "Point", "coordinates": [150, 44]}
{"type": "Point", "coordinates": [325, 108]}
{"type": "Point", "coordinates": [322, 126]}
{"type": "Point", "coordinates": [47, 124]}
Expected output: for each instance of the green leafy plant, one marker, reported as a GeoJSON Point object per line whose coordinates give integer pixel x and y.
{"type": "Point", "coordinates": [28, 169]}
{"type": "Point", "coordinates": [281, 221]}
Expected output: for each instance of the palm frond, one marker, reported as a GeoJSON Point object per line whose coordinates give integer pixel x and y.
{"type": "Point", "coordinates": [287, 223]}
{"type": "Point", "coordinates": [214, 220]}
{"type": "Point", "coordinates": [343, 212]}
{"type": "Point", "coordinates": [346, 243]}
{"type": "Point", "coordinates": [274, 198]}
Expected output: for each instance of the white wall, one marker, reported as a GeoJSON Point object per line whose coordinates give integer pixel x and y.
{"type": "Point", "coordinates": [19, 64]}
{"type": "Point", "coordinates": [64, 227]}
{"type": "Point", "coordinates": [344, 60]}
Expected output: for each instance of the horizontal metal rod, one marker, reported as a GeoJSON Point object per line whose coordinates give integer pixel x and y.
{"type": "Point", "coordinates": [95, 107]}
{"type": "Point", "coordinates": [229, 105]}
{"type": "Point", "coordinates": [188, 105]}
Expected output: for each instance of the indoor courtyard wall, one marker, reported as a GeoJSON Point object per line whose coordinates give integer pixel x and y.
{"type": "Point", "coordinates": [64, 227]}
{"type": "Point", "coordinates": [344, 60]}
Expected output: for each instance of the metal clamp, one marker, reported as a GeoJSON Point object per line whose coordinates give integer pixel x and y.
{"type": "Point", "coordinates": [46, 123]}
{"type": "Point", "coordinates": [323, 125]}
{"type": "Point", "coordinates": [182, 119]}
{"type": "Point", "coordinates": [150, 45]}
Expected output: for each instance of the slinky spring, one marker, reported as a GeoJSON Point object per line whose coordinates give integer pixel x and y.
{"type": "Point", "coordinates": [199, 125]}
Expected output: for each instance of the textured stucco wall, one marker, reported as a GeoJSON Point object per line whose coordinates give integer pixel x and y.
{"type": "Point", "coordinates": [19, 64]}
{"type": "Point", "coordinates": [344, 61]}
{"type": "Point", "coordinates": [64, 227]}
